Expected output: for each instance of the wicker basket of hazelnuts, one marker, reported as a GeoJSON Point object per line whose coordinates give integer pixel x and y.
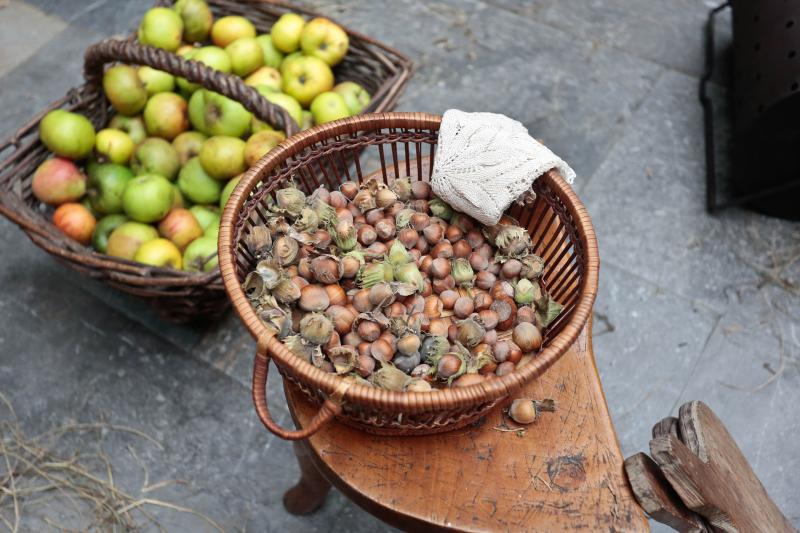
{"type": "Point", "coordinates": [389, 309]}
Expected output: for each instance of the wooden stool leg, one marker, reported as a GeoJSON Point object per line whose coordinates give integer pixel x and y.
{"type": "Point", "coordinates": [310, 492]}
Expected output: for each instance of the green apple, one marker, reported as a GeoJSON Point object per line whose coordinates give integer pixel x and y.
{"type": "Point", "coordinates": [324, 39]}
{"type": "Point", "coordinates": [201, 255]}
{"type": "Point", "coordinates": [165, 116]}
{"type": "Point", "coordinates": [214, 114]}
{"type": "Point", "coordinates": [266, 77]}
{"type": "Point", "coordinates": [156, 81]}
{"type": "Point", "coordinates": [58, 181]}
{"type": "Point", "coordinates": [272, 56]}
{"type": "Point", "coordinates": [288, 60]}
{"type": "Point", "coordinates": [228, 29]}
{"type": "Point", "coordinates": [126, 239]}
{"type": "Point", "coordinates": [197, 185]}
{"type": "Point", "coordinates": [188, 144]}
{"type": "Point", "coordinates": [207, 216]}
{"type": "Point", "coordinates": [355, 96]}
{"type": "Point", "coordinates": [161, 27]}
{"type": "Point", "coordinates": [113, 145]}
{"type": "Point", "coordinates": [227, 190]}
{"type": "Point", "coordinates": [147, 198]}
{"type": "Point", "coordinates": [306, 77]}
{"type": "Point", "coordinates": [211, 56]}
{"type": "Point", "coordinates": [213, 232]}
{"type": "Point", "coordinates": [308, 120]}
{"type": "Point", "coordinates": [329, 106]}
{"type": "Point", "coordinates": [180, 227]}
{"type": "Point", "coordinates": [177, 197]}
{"type": "Point", "coordinates": [286, 32]}
{"type": "Point", "coordinates": [67, 134]}
{"type": "Point", "coordinates": [133, 126]}
{"type": "Point", "coordinates": [160, 253]}
{"type": "Point", "coordinates": [285, 101]}
{"type": "Point", "coordinates": [107, 183]}
{"type": "Point", "coordinates": [246, 56]}
{"type": "Point", "coordinates": [124, 89]}
{"type": "Point", "coordinates": [102, 231]}
{"type": "Point", "coordinates": [156, 156]}
{"type": "Point", "coordinates": [197, 19]}
{"type": "Point", "coordinates": [223, 157]}
{"type": "Point", "coordinates": [259, 144]}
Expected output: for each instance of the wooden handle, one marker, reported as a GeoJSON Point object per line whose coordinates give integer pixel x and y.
{"type": "Point", "coordinates": [327, 412]}
{"type": "Point", "coordinates": [111, 50]}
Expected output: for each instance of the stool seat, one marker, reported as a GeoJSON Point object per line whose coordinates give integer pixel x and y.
{"type": "Point", "coordinates": [563, 472]}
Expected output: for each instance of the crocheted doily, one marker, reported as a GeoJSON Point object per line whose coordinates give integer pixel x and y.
{"type": "Point", "coordinates": [485, 161]}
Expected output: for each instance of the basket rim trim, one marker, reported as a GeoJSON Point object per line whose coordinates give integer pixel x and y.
{"type": "Point", "coordinates": [390, 400]}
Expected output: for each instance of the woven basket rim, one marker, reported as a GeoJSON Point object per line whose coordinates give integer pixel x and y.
{"type": "Point", "coordinates": [379, 398]}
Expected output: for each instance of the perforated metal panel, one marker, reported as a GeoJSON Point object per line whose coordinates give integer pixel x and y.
{"type": "Point", "coordinates": [766, 103]}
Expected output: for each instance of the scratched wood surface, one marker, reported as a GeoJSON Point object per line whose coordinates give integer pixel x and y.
{"type": "Point", "coordinates": [564, 473]}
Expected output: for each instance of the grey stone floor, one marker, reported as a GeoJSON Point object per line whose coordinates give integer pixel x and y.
{"type": "Point", "coordinates": [690, 306]}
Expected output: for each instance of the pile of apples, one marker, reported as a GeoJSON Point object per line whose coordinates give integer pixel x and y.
{"type": "Point", "coordinates": [150, 187]}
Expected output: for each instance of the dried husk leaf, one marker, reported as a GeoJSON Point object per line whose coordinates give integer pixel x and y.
{"type": "Point", "coordinates": [390, 378]}
{"type": "Point", "coordinates": [286, 291]}
{"type": "Point", "coordinates": [470, 332]}
{"type": "Point", "coordinates": [253, 286]}
{"type": "Point", "coordinates": [259, 241]}
{"type": "Point", "coordinates": [270, 271]}
{"type": "Point", "coordinates": [291, 199]}
{"type": "Point", "coordinates": [316, 328]}
{"type": "Point", "coordinates": [323, 274]}
{"type": "Point", "coordinates": [532, 267]}
{"type": "Point", "coordinates": [285, 250]}
{"type": "Point", "coordinates": [513, 241]}
{"type": "Point", "coordinates": [364, 200]}
{"type": "Point", "coordinates": [547, 310]}
{"type": "Point", "coordinates": [299, 347]}
{"type": "Point", "coordinates": [343, 358]}
{"type": "Point", "coordinates": [307, 221]}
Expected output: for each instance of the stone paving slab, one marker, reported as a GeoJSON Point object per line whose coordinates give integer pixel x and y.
{"type": "Point", "coordinates": [16, 47]}
{"type": "Point", "coordinates": [647, 344]}
{"type": "Point", "coordinates": [648, 202]}
{"type": "Point", "coordinates": [610, 85]}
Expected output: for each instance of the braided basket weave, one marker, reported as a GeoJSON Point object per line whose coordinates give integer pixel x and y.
{"type": "Point", "coordinates": [175, 295]}
{"type": "Point", "coordinates": [400, 144]}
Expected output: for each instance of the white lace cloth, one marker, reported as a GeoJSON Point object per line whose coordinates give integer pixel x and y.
{"type": "Point", "coordinates": [485, 161]}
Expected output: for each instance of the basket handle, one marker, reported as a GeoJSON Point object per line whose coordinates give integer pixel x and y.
{"type": "Point", "coordinates": [111, 50]}
{"type": "Point", "coordinates": [331, 407]}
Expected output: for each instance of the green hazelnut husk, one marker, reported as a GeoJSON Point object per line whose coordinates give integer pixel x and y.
{"type": "Point", "coordinates": [462, 272]}
{"type": "Point", "coordinates": [398, 254]}
{"type": "Point", "coordinates": [440, 209]}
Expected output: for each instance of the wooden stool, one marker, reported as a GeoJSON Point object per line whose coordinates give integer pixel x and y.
{"type": "Point", "coordinates": [564, 472]}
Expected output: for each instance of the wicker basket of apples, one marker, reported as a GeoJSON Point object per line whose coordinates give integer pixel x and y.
{"type": "Point", "coordinates": [125, 177]}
